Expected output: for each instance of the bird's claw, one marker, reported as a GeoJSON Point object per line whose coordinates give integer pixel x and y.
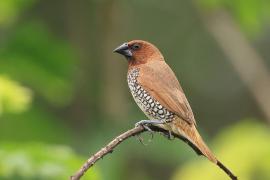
{"type": "Point", "coordinates": [145, 124]}
{"type": "Point", "coordinates": [149, 122]}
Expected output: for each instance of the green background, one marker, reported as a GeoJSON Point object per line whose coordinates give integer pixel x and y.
{"type": "Point", "coordinates": [63, 93]}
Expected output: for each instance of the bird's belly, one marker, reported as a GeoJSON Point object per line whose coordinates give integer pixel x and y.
{"type": "Point", "coordinates": [151, 107]}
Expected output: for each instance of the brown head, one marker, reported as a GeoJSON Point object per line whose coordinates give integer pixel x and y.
{"type": "Point", "coordinates": [139, 52]}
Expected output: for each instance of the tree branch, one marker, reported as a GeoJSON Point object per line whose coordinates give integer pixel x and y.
{"type": "Point", "coordinates": [105, 150]}
{"type": "Point", "coordinates": [132, 132]}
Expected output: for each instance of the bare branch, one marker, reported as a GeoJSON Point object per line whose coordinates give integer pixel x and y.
{"type": "Point", "coordinates": [105, 150]}
{"type": "Point", "coordinates": [132, 132]}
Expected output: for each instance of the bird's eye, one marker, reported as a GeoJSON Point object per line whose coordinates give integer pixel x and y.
{"type": "Point", "coordinates": [136, 46]}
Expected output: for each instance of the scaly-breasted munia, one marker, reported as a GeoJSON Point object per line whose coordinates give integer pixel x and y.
{"type": "Point", "coordinates": [158, 93]}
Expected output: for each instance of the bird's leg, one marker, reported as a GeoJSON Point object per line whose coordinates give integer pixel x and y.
{"type": "Point", "coordinates": [154, 122]}
{"type": "Point", "coordinates": [146, 123]}
{"type": "Point", "coordinates": [168, 135]}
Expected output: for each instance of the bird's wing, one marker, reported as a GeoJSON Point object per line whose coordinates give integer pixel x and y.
{"type": "Point", "coordinates": [159, 80]}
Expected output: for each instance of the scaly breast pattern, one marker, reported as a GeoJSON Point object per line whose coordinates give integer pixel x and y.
{"type": "Point", "coordinates": [152, 108]}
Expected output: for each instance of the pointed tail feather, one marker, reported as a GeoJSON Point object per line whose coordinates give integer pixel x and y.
{"type": "Point", "coordinates": [190, 132]}
{"type": "Point", "coordinates": [191, 136]}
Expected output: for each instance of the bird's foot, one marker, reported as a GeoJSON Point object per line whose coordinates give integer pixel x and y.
{"type": "Point", "coordinates": [147, 123]}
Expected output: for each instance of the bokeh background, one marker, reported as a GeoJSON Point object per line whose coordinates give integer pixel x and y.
{"type": "Point", "coordinates": [63, 93]}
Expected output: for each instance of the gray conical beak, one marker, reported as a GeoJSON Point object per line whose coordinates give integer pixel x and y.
{"type": "Point", "coordinates": [124, 50]}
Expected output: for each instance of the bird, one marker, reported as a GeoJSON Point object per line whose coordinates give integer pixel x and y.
{"type": "Point", "coordinates": [158, 93]}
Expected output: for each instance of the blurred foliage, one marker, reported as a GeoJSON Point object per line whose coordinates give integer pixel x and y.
{"type": "Point", "coordinates": [244, 149]}
{"type": "Point", "coordinates": [13, 97]}
{"type": "Point", "coordinates": [40, 161]}
{"type": "Point", "coordinates": [60, 51]}
{"type": "Point", "coordinates": [252, 15]}
{"type": "Point", "coordinates": [10, 9]}
{"type": "Point", "coordinates": [35, 124]}
{"type": "Point", "coordinates": [45, 62]}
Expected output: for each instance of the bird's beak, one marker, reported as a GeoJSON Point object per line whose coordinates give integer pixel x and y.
{"type": "Point", "coordinates": [124, 50]}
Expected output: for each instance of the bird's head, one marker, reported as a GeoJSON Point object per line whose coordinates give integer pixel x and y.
{"type": "Point", "coordinates": [139, 52]}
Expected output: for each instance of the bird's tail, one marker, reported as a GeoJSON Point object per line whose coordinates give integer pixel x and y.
{"type": "Point", "coordinates": [190, 134]}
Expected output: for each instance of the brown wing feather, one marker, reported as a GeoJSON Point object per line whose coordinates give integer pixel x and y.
{"type": "Point", "coordinates": [160, 81]}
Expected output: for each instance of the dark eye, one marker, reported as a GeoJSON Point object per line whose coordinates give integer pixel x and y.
{"type": "Point", "coordinates": [136, 46]}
